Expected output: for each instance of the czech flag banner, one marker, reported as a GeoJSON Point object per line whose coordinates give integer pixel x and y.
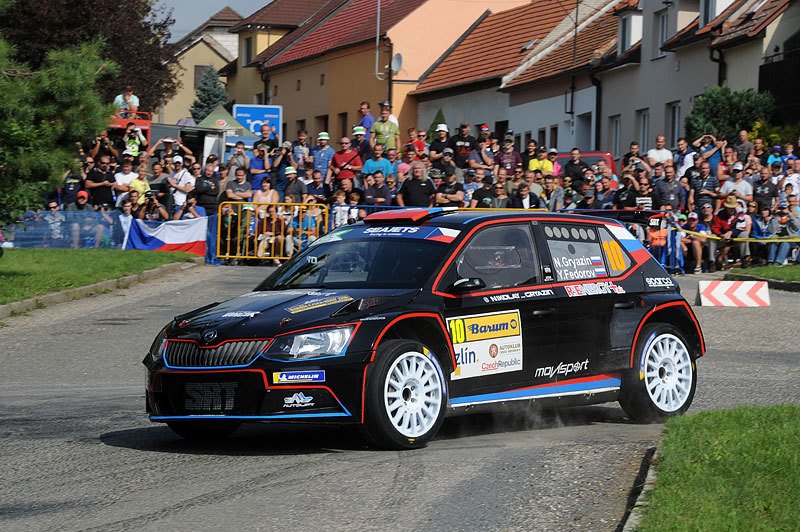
{"type": "Point", "coordinates": [179, 235]}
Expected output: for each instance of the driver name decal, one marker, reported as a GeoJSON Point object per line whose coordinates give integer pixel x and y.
{"type": "Point", "coordinates": [312, 304]}
{"type": "Point", "coordinates": [486, 344]}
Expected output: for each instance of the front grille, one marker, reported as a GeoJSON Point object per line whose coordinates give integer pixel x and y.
{"type": "Point", "coordinates": [191, 355]}
{"type": "Point", "coordinates": [230, 393]}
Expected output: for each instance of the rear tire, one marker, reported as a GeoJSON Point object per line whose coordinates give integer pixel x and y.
{"type": "Point", "coordinates": [663, 379]}
{"type": "Point", "coordinates": [405, 398]}
{"type": "Point", "coordinates": [202, 430]}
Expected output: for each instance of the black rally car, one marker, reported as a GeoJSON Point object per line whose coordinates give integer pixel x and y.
{"type": "Point", "coordinates": [395, 322]}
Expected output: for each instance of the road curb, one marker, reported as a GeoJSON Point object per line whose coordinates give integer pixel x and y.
{"type": "Point", "coordinates": [788, 286]}
{"type": "Point", "coordinates": [80, 292]}
{"type": "Point", "coordinates": [634, 519]}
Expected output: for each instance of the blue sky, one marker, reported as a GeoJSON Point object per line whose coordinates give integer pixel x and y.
{"type": "Point", "coordinates": [189, 14]}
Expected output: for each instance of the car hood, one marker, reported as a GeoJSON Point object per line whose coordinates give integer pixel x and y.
{"type": "Point", "coordinates": [265, 314]}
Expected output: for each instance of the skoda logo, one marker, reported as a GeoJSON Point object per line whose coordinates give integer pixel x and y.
{"type": "Point", "coordinates": [209, 336]}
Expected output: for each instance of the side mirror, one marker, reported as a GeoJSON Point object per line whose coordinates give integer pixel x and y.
{"type": "Point", "coordinates": [466, 285]}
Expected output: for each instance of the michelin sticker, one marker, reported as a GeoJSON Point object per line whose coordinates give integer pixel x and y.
{"type": "Point", "coordinates": [286, 377]}
{"type": "Point", "coordinates": [486, 344]}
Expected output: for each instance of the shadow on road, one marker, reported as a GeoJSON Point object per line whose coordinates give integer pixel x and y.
{"type": "Point", "coordinates": [281, 439]}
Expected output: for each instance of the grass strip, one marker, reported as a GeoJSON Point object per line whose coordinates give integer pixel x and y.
{"type": "Point", "coordinates": [789, 272]}
{"type": "Point", "coordinates": [25, 273]}
{"type": "Point", "coordinates": [733, 469]}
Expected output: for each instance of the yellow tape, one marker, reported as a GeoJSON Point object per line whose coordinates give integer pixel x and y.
{"type": "Point", "coordinates": [763, 240]}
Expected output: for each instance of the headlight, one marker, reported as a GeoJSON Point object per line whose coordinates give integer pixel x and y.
{"type": "Point", "coordinates": [315, 344]}
{"type": "Point", "coordinates": [157, 349]}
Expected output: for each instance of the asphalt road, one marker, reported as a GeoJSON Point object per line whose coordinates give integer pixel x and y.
{"type": "Point", "coordinates": [77, 451]}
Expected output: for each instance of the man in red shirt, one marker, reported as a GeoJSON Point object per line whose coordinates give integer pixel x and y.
{"type": "Point", "coordinates": [346, 162]}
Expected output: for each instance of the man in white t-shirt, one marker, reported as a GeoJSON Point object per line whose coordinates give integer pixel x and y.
{"type": "Point", "coordinates": [122, 180]}
{"type": "Point", "coordinates": [182, 182]}
{"type": "Point", "coordinates": [737, 186]}
{"type": "Point", "coordinates": [659, 154]}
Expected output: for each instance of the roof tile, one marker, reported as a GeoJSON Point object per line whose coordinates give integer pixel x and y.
{"type": "Point", "coordinates": [226, 14]}
{"type": "Point", "coordinates": [496, 45]}
{"type": "Point", "coordinates": [281, 13]}
{"type": "Point", "coordinates": [751, 22]}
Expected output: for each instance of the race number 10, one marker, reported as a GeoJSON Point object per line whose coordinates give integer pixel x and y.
{"type": "Point", "coordinates": [457, 331]}
{"type": "Point", "coordinates": [614, 254]}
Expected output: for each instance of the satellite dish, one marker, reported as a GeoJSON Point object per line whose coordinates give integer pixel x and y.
{"type": "Point", "coordinates": [397, 63]}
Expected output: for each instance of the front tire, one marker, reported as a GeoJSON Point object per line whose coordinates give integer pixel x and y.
{"type": "Point", "coordinates": [663, 379]}
{"type": "Point", "coordinates": [203, 430]}
{"type": "Point", "coordinates": [406, 396]}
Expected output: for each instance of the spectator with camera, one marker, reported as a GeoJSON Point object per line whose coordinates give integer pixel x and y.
{"type": "Point", "coordinates": [238, 159]}
{"type": "Point", "coordinates": [134, 140]}
{"type": "Point", "coordinates": [784, 224]}
{"type": "Point", "coordinates": [74, 181]}
{"type": "Point", "coordinates": [281, 165]}
{"type": "Point", "coordinates": [103, 147]}
{"type": "Point", "coordinates": [259, 165]}
{"type": "Point", "coordinates": [152, 210]}
{"type": "Point", "coordinates": [167, 148]}
{"type": "Point", "coordinates": [190, 209]}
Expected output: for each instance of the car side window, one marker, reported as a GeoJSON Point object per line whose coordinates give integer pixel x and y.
{"type": "Point", "coordinates": [576, 252]}
{"type": "Point", "coordinates": [502, 256]}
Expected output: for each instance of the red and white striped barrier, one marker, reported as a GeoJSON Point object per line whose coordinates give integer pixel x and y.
{"type": "Point", "coordinates": [734, 294]}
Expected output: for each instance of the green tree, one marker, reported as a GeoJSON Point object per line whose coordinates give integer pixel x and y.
{"type": "Point", "coordinates": [135, 33]}
{"type": "Point", "coordinates": [438, 119]}
{"type": "Point", "coordinates": [210, 93]}
{"type": "Point", "coordinates": [724, 112]}
{"type": "Point", "coordinates": [44, 113]}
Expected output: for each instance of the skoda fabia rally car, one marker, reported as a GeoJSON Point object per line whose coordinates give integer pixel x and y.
{"type": "Point", "coordinates": [415, 314]}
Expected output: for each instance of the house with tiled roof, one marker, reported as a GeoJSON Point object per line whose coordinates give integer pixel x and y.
{"type": "Point", "coordinates": [686, 46]}
{"type": "Point", "coordinates": [208, 46]}
{"type": "Point", "coordinates": [322, 70]}
{"type": "Point", "coordinates": [254, 34]}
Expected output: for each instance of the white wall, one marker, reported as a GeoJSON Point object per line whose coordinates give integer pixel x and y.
{"type": "Point", "coordinates": [544, 113]}
{"type": "Point", "coordinates": [743, 62]}
{"type": "Point", "coordinates": [487, 105]}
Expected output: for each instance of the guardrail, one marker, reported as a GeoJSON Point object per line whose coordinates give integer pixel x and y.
{"type": "Point", "coordinates": [268, 230]}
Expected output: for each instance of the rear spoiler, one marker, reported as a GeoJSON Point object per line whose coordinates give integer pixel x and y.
{"type": "Point", "coordinates": [646, 218]}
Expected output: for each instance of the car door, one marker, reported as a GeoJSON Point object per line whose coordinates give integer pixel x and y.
{"type": "Point", "coordinates": [504, 332]}
{"type": "Point", "coordinates": [588, 265]}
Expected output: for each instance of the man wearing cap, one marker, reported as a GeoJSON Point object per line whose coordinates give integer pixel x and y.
{"type": "Point", "coordinates": [784, 223]}
{"type": "Point", "coordinates": [484, 132]}
{"type": "Point", "coordinates": [418, 191]}
{"type": "Point", "coordinates": [360, 143]}
{"type": "Point", "coordinates": [451, 192]}
{"type": "Point", "coordinates": [775, 156]}
{"type": "Point", "coordinates": [366, 118]}
{"type": "Point", "coordinates": [541, 162]}
{"type": "Point", "coordinates": [296, 191]}
{"type": "Point", "coordinates": [722, 227]}
{"type": "Point", "coordinates": [462, 145]}
{"type": "Point", "coordinates": [345, 163]}
{"type": "Point", "coordinates": [168, 147]}
{"type": "Point", "coordinates": [386, 104]}
{"type": "Point", "coordinates": [84, 221]}
{"type": "Point", "coordinates": [281, 162]}
{"type": "Point", "coordinates": [737, 186]}
{"type": "Point", "coordinates": [552, 155]}
{"type": "Point", "coordinates": [322, 155]}
{"type": "Point", "coordinates": [384, 131]}
{"type": "Point", "coordinates": [484, 196]}
{"type": "Point", "coordinates": [182, 182]}
{"type": "Point", "coordinates": [694, 241]}
{"type": "Point", "coordinates": [508, 157]}
{"type": "Point", "coordinates": [436, 149]}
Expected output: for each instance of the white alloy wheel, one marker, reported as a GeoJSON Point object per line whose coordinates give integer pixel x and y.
{"type": "Point", "coordinates": [668, 372]}
{"type": "Point", "coordinates": [412, 394]}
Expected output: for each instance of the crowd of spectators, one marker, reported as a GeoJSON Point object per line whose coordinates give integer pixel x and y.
{"type": "Point", "coordinates": [713, 192]}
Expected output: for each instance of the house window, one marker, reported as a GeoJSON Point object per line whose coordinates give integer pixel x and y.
{"type": "Point", "coordinates": [500, 129]}
{"type": "Point", "coordinates": [643, 128]}
{"type": "Point", "coordinates": [274, 91]}
{"type": "Point", "coordinates": [247, 57]}
{"type": "Point", "coordinates": [554, 136]}
{"type": "Point", "coordinates": [615, 132]}
{"type": "Point", "coordinates": [298, 85]}
{"type": "Point", "coordinates": [662, 30]}
{"type": "Point", "coordinates": [624, 34]}
{"type": "Point", "coordinates": [259, 98]}
{"type": "Point", "coordinates": [321, 123]}
{"type": "Point", "coordinates": [199, 73]}
{"type": "Point", "coordinates": [541, 137]}
{"type": "Point", "coordinates": [301, 125]}
{"type": "Point", "coordinates": [674, 122]}
{"type": "Point", "coordinates": [706, 11]}
{"type": "Point", "coordinates": [343, 125]}
{"type": "Point", "coordinates": [322, 79]}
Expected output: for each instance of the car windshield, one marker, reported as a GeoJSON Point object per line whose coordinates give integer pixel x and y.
{"type": "Point", "coordinates": [360, 263]}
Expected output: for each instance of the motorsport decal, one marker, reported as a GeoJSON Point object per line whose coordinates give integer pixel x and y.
{"type": "Point", "coordinates": [281, 293]}
{"type": "Point", "coordinates": [593, 289]}
{"type": "Point", "coordinates": [527, 294]}
{"type": "Point", "coordinates": [298, 400]}
{"type": "Point", "coordinates": [312, 304]}
{"type": "Point", "coordinates": [438, 234]}
{"type": "Point", "coordinates": [659, 282]}
{"type": "Point", "coordinates": [241, 314]}
{"type": "Point", "coordinates": [286, 377]}
{"type": "Point", "coordinates": [563, 368]}
{"type": "Point", "coordinates": [486, 344]}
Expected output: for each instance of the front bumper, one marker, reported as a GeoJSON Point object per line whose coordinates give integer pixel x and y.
{"type": "Point", "coordinates": [330, 394]}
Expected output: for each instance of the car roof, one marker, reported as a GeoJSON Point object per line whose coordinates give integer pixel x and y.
{"type": "Point", "coordinates": [466, 218]}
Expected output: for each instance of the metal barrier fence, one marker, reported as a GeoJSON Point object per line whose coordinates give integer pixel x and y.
{"type": "Point", "coordinates": [268, 230]}
{"type": "Point", "coordinates": [66, 229]}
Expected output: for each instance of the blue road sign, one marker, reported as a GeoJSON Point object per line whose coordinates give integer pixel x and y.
{"type": "Point", "coordinates": [254, 116]}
